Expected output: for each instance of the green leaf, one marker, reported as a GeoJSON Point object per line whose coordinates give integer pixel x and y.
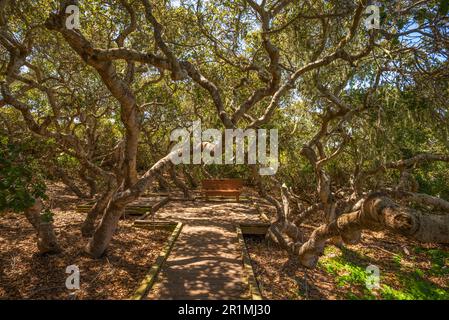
{"type": "Point", "coordinates": [444, 7]}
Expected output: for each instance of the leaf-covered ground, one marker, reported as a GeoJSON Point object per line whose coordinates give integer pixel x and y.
{"type": "Point", "coordinates": [24, 274]}
{"type": "Point", "coordinates": [408, 271]}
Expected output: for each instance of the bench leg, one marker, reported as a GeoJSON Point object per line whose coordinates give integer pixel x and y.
{"type": "Point", "coordinates": [237, 198]}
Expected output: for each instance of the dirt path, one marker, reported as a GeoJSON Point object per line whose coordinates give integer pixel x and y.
{"type": "Point", "coordinates": [206, 260]}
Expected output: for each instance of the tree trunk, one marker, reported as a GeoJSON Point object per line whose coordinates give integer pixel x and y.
{"type": "Point", "coordinates": [131, 143]}
{"type": "Point", "coordinates": [46, 238]}
{"type": "Point", "coordinates": [89, 181]}
{"type": "Point", "coordinates": [407, 181]}
{"type": "Point", "coordinates": [206, 173]}
{"type": "Point", "coordinates": [69, 182]}
{"type": "Point", "coordinates": [97, 210]}
{"type": "Point", "coordinates": [378, 213]}
{"type": "Point", "coordinates": [192, 181]}
{"type": "Point", "coordinates": [105, 230]}
{"type": "Point", "coordinates": [179, 183]}
{"type": "Point", "coordinates": [164, 186]}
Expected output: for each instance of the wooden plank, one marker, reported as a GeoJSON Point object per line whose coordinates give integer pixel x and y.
{"type": "Point", "coordinates": [254, 230]}
{"type": "Point", "coordinates": [248, 269]}
{"type": "Point", "coordinates": [129, 208]}
{"type": "Point", "coordinates": [222, 192]}
{"type": "Point", "coordinates": [255, 224]}
{"type": "Point", "coordinates": [222, 187]}
{"type": "Point", "coordinates": [150, 222]}
{"type": "Point", "coordinates": [156, 194]}
{"type": "Point", "coordinates": [151, 277]}
{"type": "Point", "coordinates": [156, 207]}
{"type": "Point", "coordinates": [167, 226]}
{"type": "Point", "coordinates": [234, 184]}
{"type": "Point", "coordinates": [187, 273]}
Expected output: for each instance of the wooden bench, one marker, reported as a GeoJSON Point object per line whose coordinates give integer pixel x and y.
{"type": "Point", "coordinates": [222, 187]}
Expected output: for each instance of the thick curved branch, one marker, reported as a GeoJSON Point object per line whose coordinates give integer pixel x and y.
{"type": "Point", "coordinates": [378, 213]}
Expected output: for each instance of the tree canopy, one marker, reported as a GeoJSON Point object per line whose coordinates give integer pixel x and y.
{"type": "Point", "coordinates": [362, 112]}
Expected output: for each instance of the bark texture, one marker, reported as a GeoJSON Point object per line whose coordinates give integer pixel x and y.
{"type": "Point", "coordinates": [378, 212]}
{"type": "Point", "coordinates": [46, 238]}
{"type": "Point", "coordinates": [97, 210]}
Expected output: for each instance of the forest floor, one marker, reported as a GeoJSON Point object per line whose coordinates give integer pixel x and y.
{"type": "Point", "coordinates": [408, 270]}
{"type": "Point", "coordinates": [24, 274]}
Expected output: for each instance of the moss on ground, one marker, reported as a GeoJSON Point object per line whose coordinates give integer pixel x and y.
{"type": "Point", "coordinates": [404, 281]}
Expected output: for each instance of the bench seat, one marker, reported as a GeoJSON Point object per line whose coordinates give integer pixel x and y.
{"type": "Point", "coordinates": [222, 187]}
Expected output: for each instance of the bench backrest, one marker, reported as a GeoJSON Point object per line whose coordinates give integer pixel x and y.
{"type": "Point", "coordinates": [222, 184]}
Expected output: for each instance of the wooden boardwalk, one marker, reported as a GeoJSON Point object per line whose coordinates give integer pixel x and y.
{"type": "Point", "coordinates": [206, 261]}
